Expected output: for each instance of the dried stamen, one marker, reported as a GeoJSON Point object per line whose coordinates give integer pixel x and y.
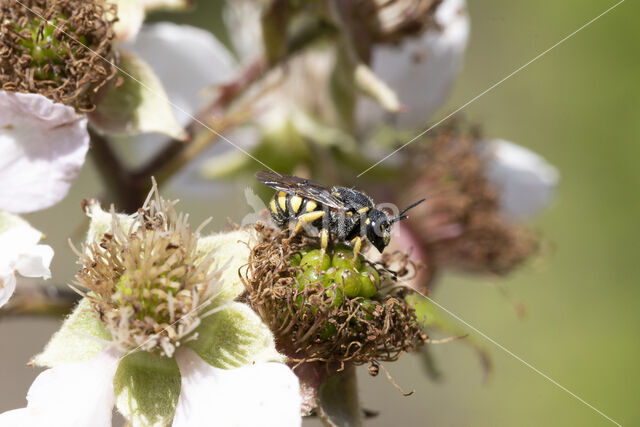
{"type": "Point", "coordinates": [315, 319]}
{"type": "Point", "coordinates": [461, 224]}
{"type": "Point", "coordinates": [147, 281]}
{"type": "Point", "coordinates": [62, 49]}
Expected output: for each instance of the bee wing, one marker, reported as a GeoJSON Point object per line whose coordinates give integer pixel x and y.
{"type": "Point", "coordinates": [302, 187]}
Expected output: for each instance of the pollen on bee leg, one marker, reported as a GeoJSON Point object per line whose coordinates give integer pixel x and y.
{"type": "Point", "coordinates": [357, 245]}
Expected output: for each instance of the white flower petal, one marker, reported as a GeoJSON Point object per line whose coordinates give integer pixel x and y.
{"type": "Point", "coordinates": [7, 287]}
{"type": "Point", "coordinates": [35, 262]}
{"type": "Point", "coordinates": [131, 13]}
{"type": "Point", "coordinates": [244, 17]}
{"type": "Point", "coordinates": [263, 394]}
{"type": "Point", "coordinates": [70, 395]}
{"type": "Point", "coordinates": [42, 148]}
{"type": "Point", "coordinates": [20, 251]}
{"type": "Point", "coordinates": [187, 60]}
{"type": "Point", "coordinates": [526, 180]}
{"type": "Point", "coordinates": [421, 70]}
{"type": "Point", "coordinates": [151, 5]}
{"type": "Point", "coordinates": [16, 241]}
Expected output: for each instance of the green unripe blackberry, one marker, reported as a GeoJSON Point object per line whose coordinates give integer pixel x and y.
{"type": "Point", "coordinates": [350, 280]}
{"type": "Point", "coordinates": [343, 258]}
{"type": "Point", "coordinates": [329, 331]}
{"type": "Point", "coordinates": [295, 259]}
{"type": "Point", "coordinates": [368, 308]}
{"type": "Point", "coordinates": [337, 296]}
{"type": "Point", "coordinates": [312, 275]}
{"type": "Point", "coordinates": [370, 280]}
{"type": "Point", "coordinates": [338, 271]}
{"type": "Point", "coordinates": [312, 258]}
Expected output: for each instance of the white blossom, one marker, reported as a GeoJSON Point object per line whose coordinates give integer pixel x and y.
{"type": "Point", "coordinates": [20, 252]}
{"type": "Point", "coordinates": [526, 181]}
{"type": "Point", "coordinates": [43, 145]}
{"type": "Point", "coordinates": [422, 69]}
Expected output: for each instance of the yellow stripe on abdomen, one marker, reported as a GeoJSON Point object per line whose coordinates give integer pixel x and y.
{"type": "Point", "coordinates": [282, 201]}
{"type": "Point", "coordinates": [273, 207]}
{"type": "Point", "coordinates": [295, 202]}
{"type": "Point", "coordinates": [311, 206]}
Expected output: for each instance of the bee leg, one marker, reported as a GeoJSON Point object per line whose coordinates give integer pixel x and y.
{"type": "Point", "coordinates": [357, 244]}
{"type": "Point", "coordinates": [324, 242]}
{"type": "Point", "coordinates": [303, 219]}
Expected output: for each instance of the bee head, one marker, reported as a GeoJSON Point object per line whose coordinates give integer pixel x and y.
{"type": "Point", "coordinates": [379, 229]}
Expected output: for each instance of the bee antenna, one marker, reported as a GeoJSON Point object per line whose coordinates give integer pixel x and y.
{"type": "Point", "coordinates": [402, 215]}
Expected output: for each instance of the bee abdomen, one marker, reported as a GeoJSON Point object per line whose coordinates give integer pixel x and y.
{"type": "Point", "coordinates": [286, 207]}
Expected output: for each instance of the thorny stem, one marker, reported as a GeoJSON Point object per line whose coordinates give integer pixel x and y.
{"type": "Point", "coordinates": [124, 190]}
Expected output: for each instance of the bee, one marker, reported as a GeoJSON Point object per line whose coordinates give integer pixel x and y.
{"type": "Point", "coordinates": [344, 214]}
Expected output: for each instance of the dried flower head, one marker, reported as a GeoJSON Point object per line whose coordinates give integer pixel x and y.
{"type": "Point", "coordinates": [386, 21]}
{"type": "Point", "coordinates": [147, 280]}
{"type": "Point", "coordinates": [325, 310]}
{"type": "Point", "coordinates": [461, 224]}
{"type": "Point", "coordinates": [62, 49]}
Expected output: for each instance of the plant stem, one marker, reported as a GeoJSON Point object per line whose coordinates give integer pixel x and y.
{"type": "Point", "coordinates": [338, 403]}
{"type": "Point", "coordinates": [37, 299]}
{"type": "Point", "coordinates": [124, 190]}
{"type": "Point", "coordinates": [176, 154]}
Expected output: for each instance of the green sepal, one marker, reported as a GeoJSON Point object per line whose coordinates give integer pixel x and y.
{"type": "Point", "coordinates": [135, 102]}
{"type": "Point", "coordinates": [231, 251]}
{"type": "Point", "coordinates": [233, 337]}
{"type": "Point", "coordinates": [81, 337]}
{"type": "Point", "coordinates": [371, 85]}
{"type": "Point", "coordinates": [101, 220]}
{"type": "Point", "coordinates": [147, 388]}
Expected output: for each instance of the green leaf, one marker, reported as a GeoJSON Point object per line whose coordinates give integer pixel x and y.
{"type": "Point", "coordinates": [81, 337]}
{"type": "Point", "coordinates": [234, 337]}
{"type": "Point", "coordinates": [231, 253]}
{"type": "Point", "coordinates": [147, 388]}
{"type": "Point", "coordinates": [135, 103]}
{"type": "Point", "coordinates": [338, 400]}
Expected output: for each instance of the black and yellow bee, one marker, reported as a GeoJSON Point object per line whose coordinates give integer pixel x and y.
{"type": "Point", "coordinates": [342, 213]}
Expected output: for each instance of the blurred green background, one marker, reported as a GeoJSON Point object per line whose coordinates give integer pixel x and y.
{"type": "Point", "coordinates": [579, 107]}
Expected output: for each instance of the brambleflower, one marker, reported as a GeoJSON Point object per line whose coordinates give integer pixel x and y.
{"type": "Point", "coordinates": [20, 252]}
{"type": "Point", "coordinates": [62, 69]}
{"type": "Point", "coordinates": [158, 333]}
